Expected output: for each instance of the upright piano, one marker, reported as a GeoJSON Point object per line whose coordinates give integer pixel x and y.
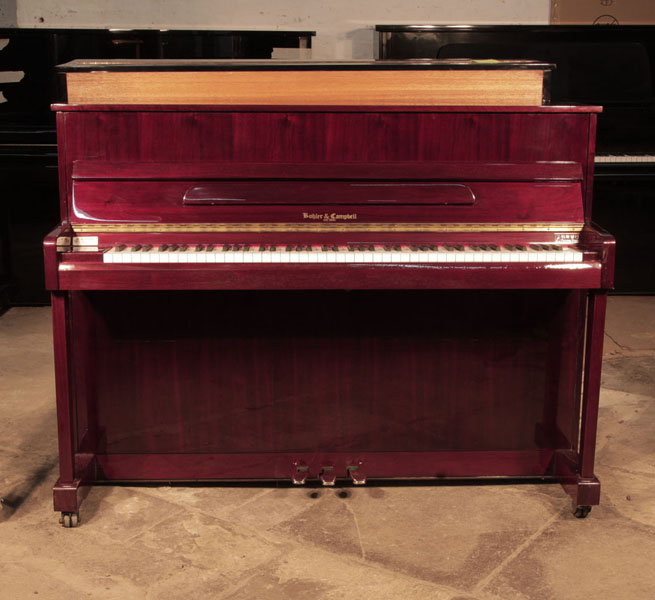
{"type": "Point", "coordinates": [319, 272]}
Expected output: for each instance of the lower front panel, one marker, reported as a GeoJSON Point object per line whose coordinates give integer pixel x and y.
{"type": "Point", "coordinates": [231, 385]}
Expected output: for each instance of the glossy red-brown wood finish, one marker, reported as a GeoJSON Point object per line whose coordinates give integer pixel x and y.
{"type": "Point", "coordinates": [301, 136]}
{"type": "Point", "coordinates": [315, 371]}
{"type": "Point", "coordinates": [287, 202]}
{"type": "Point", "coordinates": [214, 372]}
{"type": "Point", "coordinates": [93, 170]}
{"type": "Point", "coordinates": [281, 466]}
{"type": "Point", "coordinates": [87, 275]}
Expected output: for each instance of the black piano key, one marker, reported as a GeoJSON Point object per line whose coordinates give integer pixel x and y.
{"type": "Point", "coordinates": [494, 247]}
{"type": "Point", "coordinates": [309, 248]}
{"type": "Point", "coordinates": [236, 247]}
{"type": "Point", "coordinates": [184, 248]}
{"type": "Point", "coordinates": [173, 247]}
{"type": "Point", "coordinates": [556, 247]}
{"type": "Point", "coordinates": [325, 248]}
{"type": "Point", "coordinates": [449, 247]}
{"type": "Point", "coordinates": [262, 248]}
{"type": "Point", "coordinates": [483, 246]}
{"type": "Point", "coordinates": [510, 247]}
{"type": "Point", "coordinates": [520, 247]}
{"type": "Point", "coordinates": [299, 248]}
{"type": "Point", "coordinates": [199, 247]}
{"type": "Point", "coordinates": [210, 247]}
{"type": "Point", "coordinates": [272, 248]}
{"type": "Point", "coordinates": [397, 247]}
{"type": "Point", "coordinates": [351, 248]}
{"type": "Point", "coordinates": [246, 247]}
{"type": "Point", "coordinates": [459, 247]}
{"type": "Point", "coordinates": [413, 247]}
{"type": "Point", "coordinates": [163, 247]}
{"type": "Point", "coordinates": [386, 247]}
{"type": "Point", "coordinates": [136, 248]}
{"type": "Point", "coordinates": [335, 248]}
{"type": "Point", "coordinates": [536, 247]}
{"type": "Point", "coordinates": [289, 248]}
{"type": "Point", "coordinates": [226, 247]}
{"type": "Point", "coordinates": [147, 248]}
{"type": "Point", "coordinates": [474, 247]}
{"type": "Point", "coordinates": [120, 247]}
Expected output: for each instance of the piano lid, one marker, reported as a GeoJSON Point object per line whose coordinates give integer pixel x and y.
{"type": "Point", "coordinates": [461, 64]}
{"type": "Point", "coordinates": [307, 83]}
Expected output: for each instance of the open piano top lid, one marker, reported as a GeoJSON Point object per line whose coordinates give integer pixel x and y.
{"type": "Point", "coordinates": [288, 83]}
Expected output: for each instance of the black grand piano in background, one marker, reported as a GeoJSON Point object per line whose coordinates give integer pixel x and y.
{"type": "Point", "coordinates": [608, 65]}
{"type": "Point", "coordinates": [29, 204]}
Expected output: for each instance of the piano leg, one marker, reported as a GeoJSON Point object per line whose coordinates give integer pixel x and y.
{"type": "Point", "coordinates": [576, 473]}
{"type": "Point", "coordinates": [68, 492]}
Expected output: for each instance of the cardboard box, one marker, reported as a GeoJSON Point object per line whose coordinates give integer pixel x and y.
{"type": "Point", "coordinates": [602, 12]}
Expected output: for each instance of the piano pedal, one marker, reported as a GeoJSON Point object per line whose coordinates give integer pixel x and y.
{"type": "Point", "coordinates": [356, 473]}
{"type": "Point", "coordinates": [328, 475]}
{"type": "Point", "coordinates": [300, 474]}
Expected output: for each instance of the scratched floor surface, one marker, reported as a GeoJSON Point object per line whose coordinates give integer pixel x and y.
{"type": "Point", "coordinates": [486, 542]}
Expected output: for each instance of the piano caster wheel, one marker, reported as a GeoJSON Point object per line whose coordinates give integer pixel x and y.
{"type": "Point", "coordinates": [581, 512]}
{"type": "Point", "coordinates": [69, 519]}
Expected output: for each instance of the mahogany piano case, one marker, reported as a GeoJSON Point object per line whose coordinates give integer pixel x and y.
{"type": "Point", "coordinates": [324, 289]}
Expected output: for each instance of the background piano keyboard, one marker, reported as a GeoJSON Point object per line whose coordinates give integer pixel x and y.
{"type": "Point", "coordinates": [341, 253]}
{"type": "Point", "coordinates": [624, 158]}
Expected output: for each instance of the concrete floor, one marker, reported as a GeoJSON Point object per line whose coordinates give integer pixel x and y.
{"type": "Point", "coordinates": [486, 542]}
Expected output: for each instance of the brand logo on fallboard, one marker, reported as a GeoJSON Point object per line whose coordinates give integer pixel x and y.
{"type": "Point", "coordinates": [329, 217]}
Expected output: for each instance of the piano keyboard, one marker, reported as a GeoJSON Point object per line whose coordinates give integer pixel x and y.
{"type": "Point", "coordinates": [340, 253]}
{"type": "Point", "coordinates": [624, 158]}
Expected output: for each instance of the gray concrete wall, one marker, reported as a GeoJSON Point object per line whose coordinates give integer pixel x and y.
{"type": "Point", "coordinates": [8, 13]}
{"type": "Point", "coordinates": [344, 27]}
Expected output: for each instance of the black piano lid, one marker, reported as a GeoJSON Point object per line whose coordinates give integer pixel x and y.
{"type": "Point", "coordinates": [85, 66]}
